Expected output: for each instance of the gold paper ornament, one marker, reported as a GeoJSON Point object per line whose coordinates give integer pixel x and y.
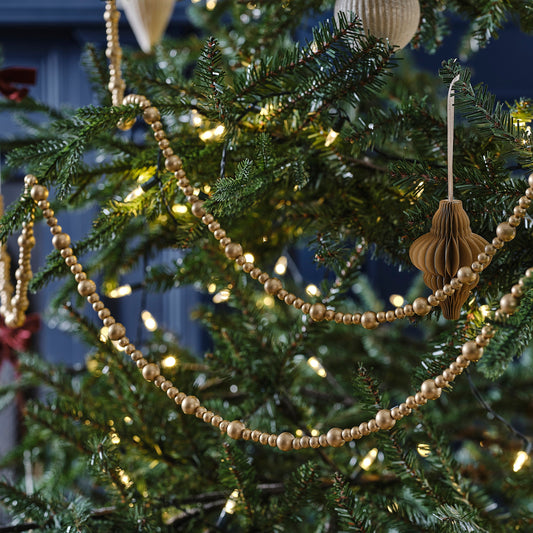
{"type": "Point", "coordinates": [395, 20]}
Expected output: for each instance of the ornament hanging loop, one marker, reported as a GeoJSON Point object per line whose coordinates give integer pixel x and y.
{"type": "Point", "coordinates": [451, 118]}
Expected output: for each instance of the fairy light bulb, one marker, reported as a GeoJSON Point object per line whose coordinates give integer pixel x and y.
{"type": "Point", "coordinates": [312, 290]}
{"type": "Point", "coordinates": [120, 292]}
{"type": "Point", "coordinates": [150, 323]}
{"type": "Point", "coordinates": [330, 139]}
{"type": "Point", "coordinates": [316, 365]}
{"type": "Point", "coordinates": [520, 460]}
{"type": "Point", "coordinates": [222, 296]}
{"type": "Point", "coordinates": [212, 134]}
{"type": "Point", "coordinates": [396, 300]}
{"type": "Point", "coordinates": [369, 459]}
{"type": "Point", "coordinates": [281, 266]}
{"type": "Point", "coordinates": [249, 258]}
{"type": "Point", "coordinates": [179, 209]}
{"type": "Point", "coordinates": [231, 502]}
{"type": "Point", "coordinates": [169, 361]}
{"type": "Point", "coordinates": [133, 195]}
{"type": "Point", "coordinates": [423, 450]}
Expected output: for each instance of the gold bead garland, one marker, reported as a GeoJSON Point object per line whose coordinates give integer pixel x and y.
{"type": "Point", "coordinates": [13, 307]}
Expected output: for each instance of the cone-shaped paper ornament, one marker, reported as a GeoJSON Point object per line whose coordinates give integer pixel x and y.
{"type": "Point", "coordinates": [148, 19]}
{"type": "Point", "coordinates": [449, 245]}
{"type": "Point", "coordinates": [395, 20]}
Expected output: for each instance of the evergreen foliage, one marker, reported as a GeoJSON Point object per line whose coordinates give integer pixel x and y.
{"type": "Point", "coordinates": [111, 453]}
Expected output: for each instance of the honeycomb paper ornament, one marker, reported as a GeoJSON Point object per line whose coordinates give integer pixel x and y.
{"type": "Point", "coordinates": [449, 245]}
{"type": "Point", "coordinates": [395, 20]}
{"type": "Point", "coordinates": [148, 19]}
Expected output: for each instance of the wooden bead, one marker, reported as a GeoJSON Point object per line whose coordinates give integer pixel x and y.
{"type": "Point", "coordinates": [117, 331]}
{"type": "Point", "coordinates": [384, 420]}
{"type": "Point", "coordinates": [284, 441]}
{"type": "Point", "coordinates": [334, 437]}
{"type": "Point", "coordinates": [508, 304]}
{"type": "Point", "coordinates": [369, 320]}
{"type": "Point", "coordinates": [151, 115]}
{"type": "Point", "coordinates": [190, 404]}
{"type": "Point", "coordinates": [505, 232]}
{"type": "Point", "coordinates": [317, 312]}
{"type": "Point", "coordinates": [39, 192]}
{"type": "Point", "coordinates": [421, 306]}
{"type": "Point", "coordinates": [173, 163]}
{"type": "Point", "coordinates": [466, 275]}
{"type": "Point", "coordinates": [430, 390]}
{"type": "Point", "coordinates": [61, 240]}
{"type": "Point", "coordinates": [86, 287]}
{"type": "Point", "coordinates": [233, 250]}
{"type": "Point", "coordinates": [235, 429]}
{"type": "Point", "coordinates": [151, 371]}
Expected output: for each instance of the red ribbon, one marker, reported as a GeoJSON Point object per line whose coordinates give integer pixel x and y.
{"type": "Point", "coordinates": [18, 339]}
{"type": "Point", "coordinates": [11, 75]}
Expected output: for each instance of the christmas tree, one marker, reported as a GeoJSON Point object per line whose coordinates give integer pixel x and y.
{"type": "Point", "coordinates": [309, 407]}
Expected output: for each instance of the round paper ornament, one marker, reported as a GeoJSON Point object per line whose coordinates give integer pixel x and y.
{"type": "Point", "coordinates": [395, 20]}
{"type": "Point", "coordinates": [148, 19]}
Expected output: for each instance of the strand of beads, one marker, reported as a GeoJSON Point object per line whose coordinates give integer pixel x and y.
{"type": "Point", "coordinates": [273, 286]}
{"type": "Point", "coordinates": [14, 307]}
{"type": "Point", "coordinates": [421, 306]}
{"type": "Point", "coordinates": [385, 419]}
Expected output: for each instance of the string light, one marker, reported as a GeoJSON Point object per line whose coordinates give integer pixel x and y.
{"type": "Point", "coordinates": [104, 334]}
{"type": "Point", "coordinates": [485, 311]}
{"type": "Point", "coordinates": [128, 420]}
{"type": "Point", "coordinates": [315, 433]}
{"type": "Point", "coordinates": [120, 292]}
{"type": "Point", "coordinates": [423, 450]}
{"type": "Point", "coordinates": [212, 134]}
{"type": "Point", "coordinates": [312, 290]}
{"type": "Point", "coordinates": [520, 460]}
{"type": "Point", "coordinates": [268, 301]}
{"type": "Point", "coordinates": [179, 209]}
{"type": "Point", "coordinates": [211, 4]}
{"type": "Point", "coordinates": [249, 258]}
{"type": "Point", "coordinates": [115, 439]}
{"type": "Point", "coordinates": [396, 300]}
{"type": "Point", "coordinates": [231, 503]}
{"type": "Point", "coordinates": [133, 195]}
{"type": "Point", "coordinates": [369, 459]}
{"type": "Point", "coordinates": [149, 321]}
{"type": "Point", "coordinates": [281, 266]}
{"type": "Point", "coordinates": [222, 296]}
{"type": "Point", "coordinates": [169, 361]}
{"type": "Point", "coordinates": [316, 365]}
{"type": "Point", "coordinates": [330, 139]}
{"type": "Point", "coordinates": [196, 118]}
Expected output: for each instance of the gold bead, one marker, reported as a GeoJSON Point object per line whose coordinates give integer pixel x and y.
{"type": "Point", "coordinates": [235, 429]}
{"type": "Point", "coordinates": [440, 382]}
{"type": "Point", "coordinates": [466, 275]}
{"type": "Point", "coordinates": [530, 180]}
{"type": "Point", "coordinates": [505, 232]}
{"type": "Point", "coordinates": [347, 318]}
{"type": "Point", "coordinates": [256, 272]}
{"type": "Point", "coordinates": [109, 321]}
{"type": "Point", "coordinates": [71, 260]}
{"type": "Point", "coordinates": [197, 209]}
{"type": "Point", "coordinates": [66, 252]}
{"type": "Point", "coordinates": [456, 369]}
{"type": "Point", "coordinates": [482, 341]}
{"type": "Point", "coordinates": [208, 416]}
{"type": "Point", "coordinates": [189, 405]}
{"type": "Point", "coordinates": [372, 426]}
{"type": "Point", "coordinates": [263, 439]}
{"type": "Point", "coordinates": [430, 390]}
{"type": "Point", "coordinates": [125, 125]}
{"type": "Point", "coordinates": [363, 429]}
{"type": "Point", "coordinates": [456, 283]}
{"type": "Point", "coordinates": [421, 306]}
{"type": "Point", "coordinates": [490, 250]}
{"type": "Point", "coordinates": [76, 268]}
{"type": "Point", "coordinates": [159, 135]}
{"type": "Point", "coordinates": [439, 295]}
{"type": "Point", "coordinates": [256, 435]}
{"type": "Point", "coordinates": [514, 221]}
{"type": "Point", "coordinates": [39, 192]}
{"type": "Point", "coordinates": [529, 193]}
{"type": "Point", "coordinates": [334, 437]}
{"type": "Point", "coordinates": [289, 299]}
{"type": "Point", "coordinates": [517, 291]}
{"type": "Point", "coordinates": [263, 278]}
{"type": "Point", "coordinates": [395, 413]}
{"type": "Point", "coordinates": [399, 312]}
{"type": "Point", "coordinates": [284, 441]}
{"type": "Point", "coordinates": [448, 375]}
{"type": "Point", "coordinates": [233, 250]}
{"type": "Point", "coordinates": [273, 286]}
{"type": "Point", "coordinates": [223, 426]}
{"type": "Point", "coordinates": [497, 243]}
{"type": "Point", "coordinates": [86, 287]}
{"type": "Point", "coordinates": [164, 144]}
{"type": "Point", "coordinates": [248, 267]}
{"type": "Point", "coordinates": [323, 440]}
{"type": "Point", "coordinates": [306, 308]}
{"type": "Point", "coordinates": [329, 315]}
{"type": "Point", "coordinates": [200, 412]}
{"type": "Point", "coordinates": [524, 202]}
{"type": "Point", "coordinates": [219, 233]}
{"type": "Point", "coordinates": [151, 115]}
{"type": "Point", "coordinates": [43, 205]}
{"type": "Point", "coordinates": [213, 226]}
{"type": "Point", "coordinates": [103, 313]}
{"type": "Point", "coordinates": [408, 310]}
{"type": "Point", "coordinates": [61, 240]}
{"type": "Point", "coordinates": [317, 312]}
{"type": "Point", "coordinates": [420, 399]}
{"type": "Point", "coordinates": [381, 317]}
{"type": "Point", "coordinates": [173, 163]}
{"type": "Point", "coordinates": [390, 316]}
{"type": "Point", "coordinates": [508, 304]}
{"type": "Point", "coordinates": [356, 433]}
{"type": "Point", "coordinates": [30, 180]}
{"type": "Point", "coordinates": [141, 363]}
{"type": "Point", "coordinates": [384, 419]}
{"type": "Point", "coordinates": [117, 331]}
{"type": "Point", "coordinates": [369, 320]}
{"type": "Point", "coordinates": [314, 442]}
{"type": "Point", "coordinates": [477, 266]}
{"type": "Point", "coordinates": [411, 402]}
{"type": "Point", "coordinates": [150, 371]}
{"type": "Point", "coordinates": [81, 276]}
{"type": "Point", "coordinates": [405, 410]}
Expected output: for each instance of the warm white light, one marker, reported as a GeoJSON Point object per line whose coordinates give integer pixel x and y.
{"type": "Point", "coordinates": [179, 209]}
{"type": "Point", "coordinates": [222, 296]}
{"type": "Point", "coordinates": [231, 503]}
{"type": "Point", "coordinates": [268, 301]}
{"type": "Point", "coordinates": [330, 139]}
{"type": "Point", "coordinates": [196, 118]}
{"type": "Point", "coordinates": [207, 189]}
{"type": "Point", "coordinates": [128, 420]}
{"type": "Point", "coordinates": [115, 439]}
{"type": "Point", "coordinates": [219, 130]}
{"type": "Point", "coordinates": [249, 258]}
{"type": "Point", "coordinates": [485, 311]}
{"type": "Point", "coordinates": [149, 321]}
{"type": "Point", "coordinates": [104, 334]}
{"type": "Point", "coordinates": [211, 288]}
{"type": "Point", "coordinates": [120, 292]}
{"type": "Point", "coordinates": [134, 194]}
{"type": "Point", "coordinates": [396, 300]}
{"type": "Point", "coordinates": [212, 134]}
{"type": "Point", "coordinates": [423, 449]}
{"type": "Point", "coordinates": [420, 188]}
{"type": "Point", "coordinates": [316, 365]}
{"type": "Point", "coordinates": [169, 361]}
{"type": "Point", "coordinates": [312, 290]}
{"type": "Point", "coordinates": [521, 459]}
{"type": "Point", "coordinates": [281, 266]}
{"type": "Point", "coordinates": [369, 459]}
{"type": "Point", "coordinates": [299, 433]}
{"type": "Point", "coordinates": [117, 345]}
{"type": "Point", "coordinates": [315, 433]}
